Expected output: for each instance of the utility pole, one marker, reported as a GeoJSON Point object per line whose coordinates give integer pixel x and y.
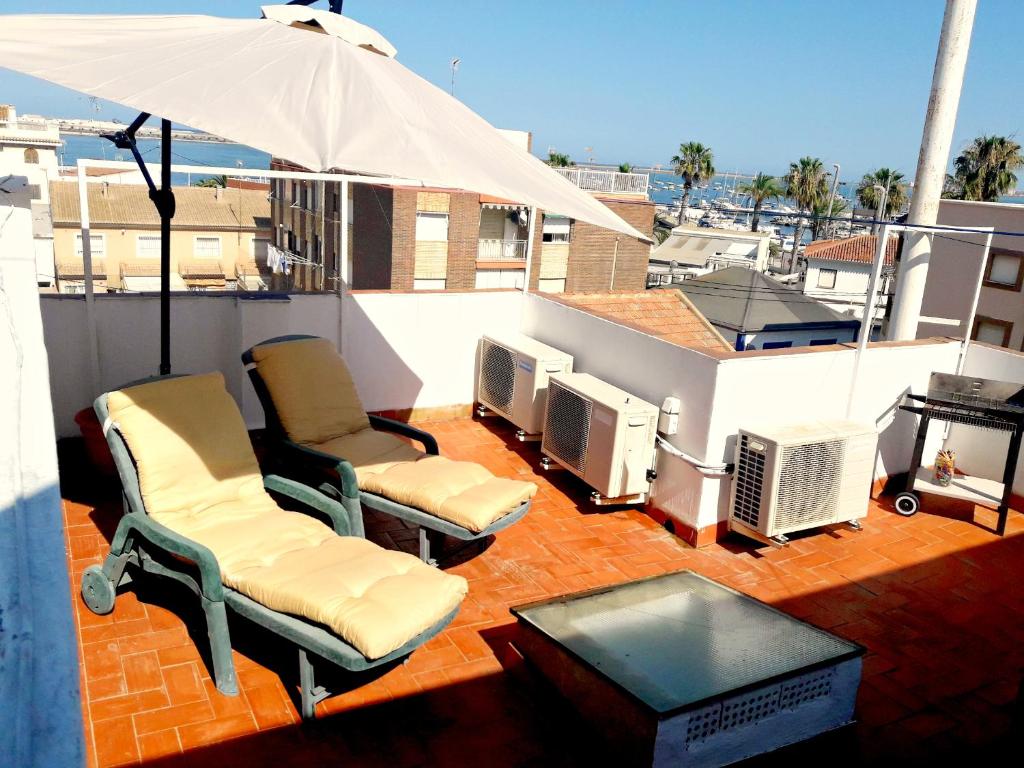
{"type": "Point", "coordinates": [947, 82]}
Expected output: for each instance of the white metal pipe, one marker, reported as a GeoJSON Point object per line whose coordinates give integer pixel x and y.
{"type": "Point", "coordinates": [947, 82]}
{"type": "Point", "coordinates": [531, 231]}
{"type": "Point", "coordinates": [979, 280]}
{"type": "Point", "coordinates": [90, 299]}
{"type": "Point", "coordinates": [868, 321]}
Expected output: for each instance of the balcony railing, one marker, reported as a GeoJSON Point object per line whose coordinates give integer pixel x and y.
{"type": "Point", "coordinates": [501, 250]}
{"type": "Point", "coordinates": [607, 181]}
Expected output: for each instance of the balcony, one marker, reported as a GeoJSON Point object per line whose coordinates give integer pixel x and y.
{"type": "Point", "coordinates": [501, 250]}
{"type": "Point", "coordinates": [611, 182]}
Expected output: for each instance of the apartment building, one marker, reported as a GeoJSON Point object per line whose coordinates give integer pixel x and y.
{"type": "Point", "coordinates": [839, 271]}
{"type": "Point", "coordinates": [218, 236]}
{"type": "Point", "coordinates": [413, 238]}
{"type": "Point", "coordinates": [956, 267]}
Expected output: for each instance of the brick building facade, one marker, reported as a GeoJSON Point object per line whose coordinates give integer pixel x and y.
{"type": "Point", "coordinates": [409, 238]}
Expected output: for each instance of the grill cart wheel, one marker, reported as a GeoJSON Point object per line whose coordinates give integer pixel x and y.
{"type": "Point", "coordinates": [907, 504]}
{"type": "Point", "coordinates": [97, 590]}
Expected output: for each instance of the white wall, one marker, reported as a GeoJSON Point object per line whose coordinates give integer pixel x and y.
{"type": "Point", "coordinates": [418, 350]}
{"type": "Point", "coordinates": [817, 386]}
{"type": "Point", "coordinates": [851, 286]}
{"type": "Point", "coordinates": [651, 369]}
{"type": "Point", "coordinates": [208, 333]}
{"type": "Point", "coordinates": [983, 452]}
{"type": "Point", "coordinates": [40, 720]}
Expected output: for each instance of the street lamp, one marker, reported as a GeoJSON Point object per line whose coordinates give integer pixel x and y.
{"type": "Point", "coordinates": [454, 64]}
{"type": "Point", "coordinates": [832, 199]}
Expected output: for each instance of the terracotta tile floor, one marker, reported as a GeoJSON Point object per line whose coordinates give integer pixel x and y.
{"type": "Point", "coordinates": [937, 599]}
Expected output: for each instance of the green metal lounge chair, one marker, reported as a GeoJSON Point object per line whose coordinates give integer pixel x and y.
{"type": "Point", "coordinates": [148, 545]}
{"type": "Point", "coordinates": [322, 391]}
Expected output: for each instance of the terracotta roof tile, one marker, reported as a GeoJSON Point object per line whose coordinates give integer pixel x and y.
{"type": "Point", "coordinates": [666, 314]}
{"type": "Point", "coordinates": [860, 249]}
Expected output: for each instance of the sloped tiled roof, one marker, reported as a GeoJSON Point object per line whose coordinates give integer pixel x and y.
{"type": "Point", "coordinates": [128, 205]}
{"type": "Point", "coordinates": [745, 300]}
{"type": "Point", "coordinates": [859, 249]}
{"type": "Point", "coordinates": [667, 314]}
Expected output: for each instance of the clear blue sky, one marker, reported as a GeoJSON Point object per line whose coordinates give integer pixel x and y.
{"type": "Point", "coordinates": [762, 83]}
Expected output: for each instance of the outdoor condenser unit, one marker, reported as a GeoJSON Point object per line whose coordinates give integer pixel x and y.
{"type": "Point", "coordinates": [793, 477]}
{"type": "Point", "coordinates": [601, 434]}
{"type": "Point", "coordinates": [513, 378]}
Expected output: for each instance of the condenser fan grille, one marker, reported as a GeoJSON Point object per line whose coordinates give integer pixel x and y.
{"type": "Point", "coordinates": [497, 377]}
{"type": "Point", "coordinates": [567, 426]}
{"type": "Point", "coordinates": [809, 480]}
{"type": "Point", "coordinates": [749, 483]}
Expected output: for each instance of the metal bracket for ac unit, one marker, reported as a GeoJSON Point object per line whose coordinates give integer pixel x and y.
{"type": "Point", "coordinates": [778, 542]}
{"type": "Point", "coordinates": [855, 525]}
{"type": "Point", "coordinates": [652, 475]}
{"type": "Point", "coordinates": [548, 465]}
{"type": "Point", "coordinates": [523, 437]}
{"type": "Point", "coordinates": [483, 412]}
{"type": "Point", "coordinates": [606, 501]}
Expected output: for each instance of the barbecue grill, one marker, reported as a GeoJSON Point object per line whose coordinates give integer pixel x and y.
{"type": "Point", "coordinates": [974, 402]}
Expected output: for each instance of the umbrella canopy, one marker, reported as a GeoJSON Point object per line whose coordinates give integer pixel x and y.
{"type": "Point", "coordinates": [313, 99]}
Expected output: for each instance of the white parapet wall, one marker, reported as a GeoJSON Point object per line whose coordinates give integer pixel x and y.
{"type": "Point", "coordinates": [721, 394]}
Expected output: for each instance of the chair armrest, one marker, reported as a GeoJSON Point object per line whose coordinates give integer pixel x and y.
{"type": "Point", "coordinates": [300, 454]}
{"type": "Point", "coordinates": [174, 544]}
{"type": "Point", "coordinates": [382, 424]}
{"type": "Point", "coordinates": [312, 499]}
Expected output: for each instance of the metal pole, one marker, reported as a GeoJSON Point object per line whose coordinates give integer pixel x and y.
{"type": "Point", "coordinates": [868, 321]}
{"type": "Point", "coordinates": [974, 303]}
{"type": "Point", "coordinates": [166, 213]}
{"type": "Point", "coordinates": [531, 231]}
{"type": "Point", "coordinates": [90, 300]}
{"type": "Point", "coordinates": [947, 82]}
{"type": "Point", "coordinates": [832, 197]}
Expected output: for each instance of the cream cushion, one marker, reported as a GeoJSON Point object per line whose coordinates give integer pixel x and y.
{"type": "Point", "coordinates": [312, 390]}
{"type": "Point", "coordinates": [199, 477]}
{"type": "Point", "coordinates": [461, 492]}
{"type": "Point", "coordinates": [321, 414]}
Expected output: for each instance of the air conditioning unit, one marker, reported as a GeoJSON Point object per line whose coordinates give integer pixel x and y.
{"type": "Point", "coordinates": [601, 434]}
{"type": "Point", "coordinates": [513, 378]}
{"type": "Point", "coordinates": [789, 478]}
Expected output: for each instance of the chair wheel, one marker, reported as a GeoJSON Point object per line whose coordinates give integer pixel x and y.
{"type": "Point", "coordinates": [97, 590]}
{"type": "Point", "coordinates": [907, 504]}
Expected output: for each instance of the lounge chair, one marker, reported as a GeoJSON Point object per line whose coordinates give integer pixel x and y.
{"type": "Point", "coordinates": [198, 510]}
{"type": "Point", "coordinates": [314, 412]}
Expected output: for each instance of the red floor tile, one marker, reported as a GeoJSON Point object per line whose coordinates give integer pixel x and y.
{"type": "Point", "coordinates": [936, 599]}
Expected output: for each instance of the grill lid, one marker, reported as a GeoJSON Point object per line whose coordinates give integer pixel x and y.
{"type": "Point", "coordinates": [949, 389]}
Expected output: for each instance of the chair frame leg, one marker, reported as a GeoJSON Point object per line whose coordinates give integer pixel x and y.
{"type": "Point", "coordinates": [430, 545]}
{"type": "Point", "coordinates": [309, 692]}
{"type": "Point", "coordinates": [220, 646]}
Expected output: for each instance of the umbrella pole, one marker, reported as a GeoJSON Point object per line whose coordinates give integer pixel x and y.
{"type": "Point", "coordinates": [165, 205]}
{"type": "Point", "coordinates": [163, 199]}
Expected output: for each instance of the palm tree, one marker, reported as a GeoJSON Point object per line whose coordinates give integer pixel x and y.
{"type": "Point", "coordinates": [985, 170]}
{"type": "Point", "coordinates": [822, 212]}
{"type": "Point", "coordinates": [662, 229]}
{"type": "Point", "coordinates": [695, 163]}
{"type": "Point", "coordinates": [213, 181]}
{"type": "Point", "coordinates": [625, 168]}
{"type": "Point", "coordinates": [559, 160]}
{"type": "Point", "coordinates": [868, 195]}
{"type": "Point", "coordinates": [761, 189]}
{"type": "Point", "coordinates": [805, 185]}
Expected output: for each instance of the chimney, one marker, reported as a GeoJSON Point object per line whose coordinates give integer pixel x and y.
{"type": "Point", "coordinates": [104, 186]}
{"type": "Point", "coordinates": [218, 192]}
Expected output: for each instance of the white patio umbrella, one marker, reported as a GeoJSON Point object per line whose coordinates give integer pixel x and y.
{"type": "Point", "coordinates": [333, 101]}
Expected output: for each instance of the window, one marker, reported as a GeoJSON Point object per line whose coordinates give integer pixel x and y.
{"type": "Point", "coordinates": [336, 204]}
{"type": "Point", "coordinates": [431, 226]}
{"type": "Point", "coordinates": [206, 248]}
{"type": "Point", "coordinates": [1004, 269]}
{"type": "Point", "coordinates": [147, 247]}
{"type": "Point", "coordinates": [823, 342]}
{"type": "Point", "coordinates": [555, 229]}
{"type": "Point", "coordinates": [259, 249]}
{"type": "Point", "coordinates": [776, 345]}
{"type": "Point", "coordinates": [32, 156]}
{"type": "Point", "coordinates": [97, 246]}
{"type": "Point", "coordinates": [827, 278]}
{"type": "Point", "coordinates": [992, 331]}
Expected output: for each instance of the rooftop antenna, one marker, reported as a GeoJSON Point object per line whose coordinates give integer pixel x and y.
{"type": "Point", "coordinates": [454, 63]}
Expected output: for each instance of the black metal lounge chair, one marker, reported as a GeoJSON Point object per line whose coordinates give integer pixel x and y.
{"type": "Point", "coordinates": [144, 543]}
{"type": "Point", "coordinates": [309, 460]}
